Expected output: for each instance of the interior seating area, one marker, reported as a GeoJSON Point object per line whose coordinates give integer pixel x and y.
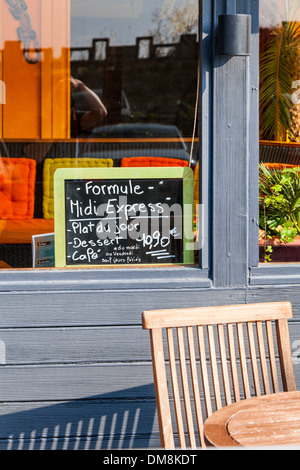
{"type": "Point", "coordinates": [27, 198]}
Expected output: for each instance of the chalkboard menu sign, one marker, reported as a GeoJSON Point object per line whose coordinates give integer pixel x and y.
{"type": "Point", "coordinates": [123, 216]}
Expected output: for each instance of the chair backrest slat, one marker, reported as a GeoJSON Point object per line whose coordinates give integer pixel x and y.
{"type": "Point", "coordinates": [285, 358]}
{"type": "Point", "coordinates": [214, 367]}
{"type": "Point", "coordinates": [175, 388]}
{"type": "Point", "coordinates": [216, 315]}
{"type": "Point", "coordinates": [195, 384]}
{"type": "Point", "coordinates": [201, 338]}
{"type": "Point", "coordinates": [224, 365]}
{"type": "Point", "coordinates": [185, 388]}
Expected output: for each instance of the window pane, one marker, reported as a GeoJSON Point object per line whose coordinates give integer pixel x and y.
{"type": "Point", "coordinates": [98, 84]}
{"type": "Point", "coordinates": [279, 130]}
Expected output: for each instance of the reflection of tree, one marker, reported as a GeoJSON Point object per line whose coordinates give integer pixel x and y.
{"type": "Point", "coordinates": [171, 21]}
{"type": "Point", "coordinates": [279, 68]}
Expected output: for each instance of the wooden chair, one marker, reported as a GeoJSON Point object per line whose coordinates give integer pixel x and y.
{"type": "Point", "coordinates": [242, 343]}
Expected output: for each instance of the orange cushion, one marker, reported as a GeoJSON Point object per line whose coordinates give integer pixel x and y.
{"type": "Point", "coordinates": [21, 231]}
{"type": "Point", "coordinates": [152, 161]}
{"type": "Point", "coordinates": [17, 185]}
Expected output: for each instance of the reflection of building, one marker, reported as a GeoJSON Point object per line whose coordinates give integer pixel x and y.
{"type": "Point", "coordinates": [159, 79]}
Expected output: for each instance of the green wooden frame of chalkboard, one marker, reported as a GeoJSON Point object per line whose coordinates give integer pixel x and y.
{"type": "Point", "coordinates": [123, 216]}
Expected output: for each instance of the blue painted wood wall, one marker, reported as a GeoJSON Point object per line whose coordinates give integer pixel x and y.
{"type": "Point", "coordinates": [75, 367]}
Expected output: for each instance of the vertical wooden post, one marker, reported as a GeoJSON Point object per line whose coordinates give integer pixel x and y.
{"type": "Point", "coordinates": [21, 113]}
{"type": "Point", "coordinates": [38, 95]}
{"type": "Point", "coordinates": [160, 380]}
{"type": "Point", "coordinates": [286, 364]}
{"type": "Point", "coordinates": [233, 124]}
{"type": "Point", "coordinates": [46, 71]}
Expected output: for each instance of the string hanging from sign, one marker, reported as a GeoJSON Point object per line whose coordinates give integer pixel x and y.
{"type": "Point", "coordinates": [124, 221]}
{"type": "Point", "coordinates": [26, 34]}
{"type": "Point", "coordinates": [113, 216]}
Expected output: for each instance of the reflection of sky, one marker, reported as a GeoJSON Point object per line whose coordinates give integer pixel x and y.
{"type": "Point", "coordinates": [120, 20]}
{"type": "Point", "coordinates": [273, 12]}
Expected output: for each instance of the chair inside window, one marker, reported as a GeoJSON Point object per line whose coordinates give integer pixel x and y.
{"type": "Point", "coordinates": [206, 358]}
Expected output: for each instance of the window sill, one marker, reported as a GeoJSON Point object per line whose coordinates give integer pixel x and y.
{"type": "Point", "coordinates": [185, 277]}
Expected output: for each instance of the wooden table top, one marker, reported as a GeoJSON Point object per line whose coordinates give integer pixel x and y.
{"type": "Point", "coordinates": [261, 421]}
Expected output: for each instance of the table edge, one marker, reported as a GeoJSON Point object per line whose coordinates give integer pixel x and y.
{"type": "Point", "coordinates": [215, 427]}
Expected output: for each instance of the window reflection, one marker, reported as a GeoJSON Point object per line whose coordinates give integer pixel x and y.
{"type": "Point", "coordinates": [279, 172]}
